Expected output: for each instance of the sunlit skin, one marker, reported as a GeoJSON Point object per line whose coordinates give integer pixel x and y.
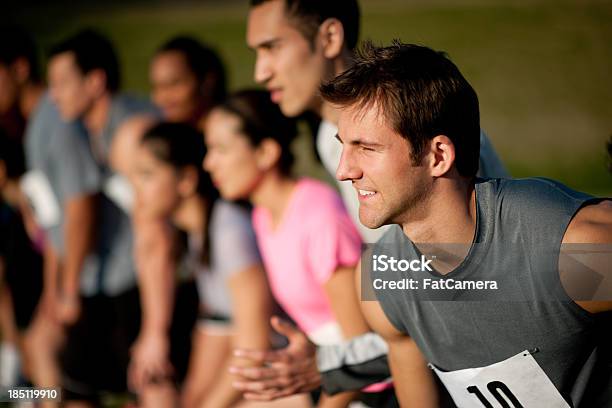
{"type": "Point", "coordinates": [68, 86]}
{"type": "Point", "coordinates": [175, 89]}
{"type": "Point", "coordinates": [374, 158]}
{"type": "Point", "coordinates": [231, 160]}
{"type": "Point", "coordinates": [285, 63]}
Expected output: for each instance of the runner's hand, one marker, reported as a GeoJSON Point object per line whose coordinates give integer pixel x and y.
{"type": "Point", "coordinates": [279, 373]}
{"type": "Point", "coordinates": [149, 361]}
{"type": "Point", "coordinates": [68, 309]}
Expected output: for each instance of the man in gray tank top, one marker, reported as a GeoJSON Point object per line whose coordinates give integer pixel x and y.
{"type": "Point", "coordinates": [471, 281]}
{"type": "Point", "coordinates": [493, 317]}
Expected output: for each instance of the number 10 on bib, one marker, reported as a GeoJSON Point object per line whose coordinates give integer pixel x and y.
{"type": "Point", "coordinates": [518, 382]}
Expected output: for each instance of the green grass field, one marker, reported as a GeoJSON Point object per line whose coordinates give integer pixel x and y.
{"type": "Point", "coordinates": [541, 68]}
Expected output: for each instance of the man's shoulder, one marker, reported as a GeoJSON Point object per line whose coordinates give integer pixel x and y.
{"type": "Point", "coordinates": [536, 207]}
{"type": "Point", "coordinates": [534, 192]}
{"type": "Point", "coordinates": [591, 224]}
{"type": "Point", "coordinates": [47, 131]}
{"type": "Point", "coordinates": [46, 120]}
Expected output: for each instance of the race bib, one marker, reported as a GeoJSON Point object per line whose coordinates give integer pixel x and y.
{"type": "Point", "coordinates": [37, 188]}
{"type": "Point", "coordinates": [518, 382]}
{"type": "Point", "coordinates": [120, 191]}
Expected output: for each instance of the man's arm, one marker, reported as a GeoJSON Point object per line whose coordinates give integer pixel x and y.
{"type": "Point", "coordinates": [414, 382]}
{"type": "Point", "coordinates": [592, 224]}
{"type": "Point", "coordinates": [78, 177]}
{"type": "Point", "coordinates": [345, 305]}
{"type": "Point", "coordinates": [51, 269]}
{"type": "Point", "coordinates": [78, 239]}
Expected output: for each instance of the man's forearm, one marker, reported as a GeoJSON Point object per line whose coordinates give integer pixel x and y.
{"type": "Point", "coordinates": [78, 240]}
{"type": "Point", "coordinates": [51, 265]}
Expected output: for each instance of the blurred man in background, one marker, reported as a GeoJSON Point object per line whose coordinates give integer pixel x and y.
{"type": "Point", "coordinates": [300, 44]}
{"type": "Point", "coordinates": [100, 302]}
{"type": "Point", "coordinates": [52, 180]}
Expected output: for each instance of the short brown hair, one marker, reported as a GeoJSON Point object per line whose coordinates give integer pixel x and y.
{"type": "Point", "coordinates": [310, 14]}
{"type": "Point", "coordinates": [419, 91]}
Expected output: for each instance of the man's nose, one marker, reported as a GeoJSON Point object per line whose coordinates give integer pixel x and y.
{"type": "Point", "coordinates": [348, 168]}
{"type": "Point", "coordinates": [263, 71]}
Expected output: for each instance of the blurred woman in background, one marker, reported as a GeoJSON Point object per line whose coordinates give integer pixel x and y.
{"type": "Point", "coordinates": [308, 243]}
{"type": "Point", "coordinates": [187, 80]}
{"type": "Point", "coordinates": [221, 248]}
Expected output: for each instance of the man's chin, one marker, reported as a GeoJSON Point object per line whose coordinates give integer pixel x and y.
{"type": "Point", "coordinates": [371, 222]}
{"type": "Point", "coordinates": [291, 110]}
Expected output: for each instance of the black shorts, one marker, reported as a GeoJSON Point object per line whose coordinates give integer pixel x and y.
{"type": "Point", "coordinates": [23, 266]}
{"type": "Point", "coordinates": [25, 286]}
{"type": "Point", "coordinates": [96, 354]}
{"type": "Point", "coordinates": [381, 399]}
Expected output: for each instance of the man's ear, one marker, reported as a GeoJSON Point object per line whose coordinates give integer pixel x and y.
{"type": "Point", "coordinates": [96, 82]}
{"type": "Point", "coordinates": [441, 155]}
{"type": "Point", "coordinates": [331, 32]}
{"type": "Point", "coordinates": [267, 154]}
{"type": "Point", "coordinates": [188, 181]}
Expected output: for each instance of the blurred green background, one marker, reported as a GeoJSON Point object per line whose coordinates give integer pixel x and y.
{"type": "Point", "coordinates": [541, 68]}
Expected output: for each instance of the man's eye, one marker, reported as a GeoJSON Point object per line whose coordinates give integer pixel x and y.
{"type": "Point", "coordinates": [367, 149]}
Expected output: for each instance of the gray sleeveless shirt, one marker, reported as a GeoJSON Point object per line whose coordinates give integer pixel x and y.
{"type": "Point", "coordinates": [520, 226]}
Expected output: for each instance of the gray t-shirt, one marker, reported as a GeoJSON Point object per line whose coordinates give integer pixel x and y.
{"type": "Point", "coordinates": [112, 270]}
{"type": "Point", "coordinates": [76, 163]}
{"type": "Point", "coordinates": [60, 166]}
{"type": "Point", "coordinates": [523, 334]}
{"type": "Point", "coordinates": [233, 247]}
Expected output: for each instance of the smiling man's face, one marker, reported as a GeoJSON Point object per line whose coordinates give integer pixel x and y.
{"type": "Point", "coordinates": [286, 62]}
{"type": "Point", "coordinates": [378, 161]}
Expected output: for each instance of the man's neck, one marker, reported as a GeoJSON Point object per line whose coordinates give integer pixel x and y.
{"type": "Point", "coordinates": [97, 116]}
{"type": "Point", "coordinates": [450, 216]}
{"type": "Point", "coordinates": [273, 193]}
{"type": "Point", "coordinates": [30, 95]}
{"type": "Point", "coordinates": [326, 111]}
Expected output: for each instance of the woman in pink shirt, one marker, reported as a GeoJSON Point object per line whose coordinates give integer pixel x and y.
{"type": "Point", "coordinates": [307, 241]}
